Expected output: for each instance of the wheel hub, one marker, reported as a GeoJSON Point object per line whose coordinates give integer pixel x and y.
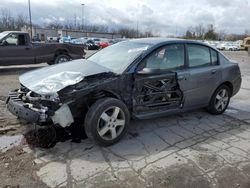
{"type": "Point", "coordinates": [111, 123]}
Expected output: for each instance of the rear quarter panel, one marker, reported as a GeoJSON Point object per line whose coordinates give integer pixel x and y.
{"type": "Point", "coordinates": [231, 73]}
{"type": "Point", "coordinates": [75, 51]}
{"type": "Point", "coordinates": [44, 52]}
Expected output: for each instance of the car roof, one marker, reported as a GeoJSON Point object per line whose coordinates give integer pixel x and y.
{"type": "Point", "coordinates": [21, 32]}
{"type": "Point", "coordinates": [155, 40]}
{"type": "Point", "coordinates": [159, 40]}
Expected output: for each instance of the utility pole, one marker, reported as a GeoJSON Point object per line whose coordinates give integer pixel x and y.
{"type": "Point", "coordinates": [137, 21]}
{"type": "Point", "coordinates": [82, 16]}
{"type": "Point", "coordinates": [30, 19]}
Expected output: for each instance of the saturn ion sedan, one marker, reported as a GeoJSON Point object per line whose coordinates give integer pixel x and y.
{"type": "Point", "coordinates": [141, 78]}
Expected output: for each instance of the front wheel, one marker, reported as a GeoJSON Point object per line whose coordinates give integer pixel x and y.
{"type": "Point", "coordinates": [220, 100]}
{"type": "Point", "coordinates": [106, 121]}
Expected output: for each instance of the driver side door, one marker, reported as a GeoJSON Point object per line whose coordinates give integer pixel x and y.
{"type": "Point", "coordinates": [159, 91]}
{"type": "Point", "coordinates": [16, 50]}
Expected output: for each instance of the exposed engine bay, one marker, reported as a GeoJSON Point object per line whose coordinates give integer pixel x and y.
{"type": "Point", "coordinates": [40, 109]}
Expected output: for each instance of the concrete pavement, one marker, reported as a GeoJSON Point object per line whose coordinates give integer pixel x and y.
{"type": "Point", "coordinates": [188, 150]}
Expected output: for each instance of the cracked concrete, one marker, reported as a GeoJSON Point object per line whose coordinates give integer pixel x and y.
{"type": "Point", "coordinates": [194, 149]}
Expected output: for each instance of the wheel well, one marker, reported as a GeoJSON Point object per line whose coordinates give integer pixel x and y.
{"type": "Point", "coordinates": [94, 96]}
{"type": "Point", "coordinates": [61, 52]}
{"type": "Point", "coordinates": [230, 85]}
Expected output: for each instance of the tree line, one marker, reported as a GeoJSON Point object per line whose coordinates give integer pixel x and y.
{"type": "Point", "coordinates": [199, 32]}
{"type": "Point", "coordinates": [209, 32]}
{"type": "Point", "coordinates": [10, 22]}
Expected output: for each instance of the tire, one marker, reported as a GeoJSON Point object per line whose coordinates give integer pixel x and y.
{"type": "Point", "coordinates": [220, 100]}
{"type": "Point", "coordinates": [61, 59]}
{"type": "Point", "coordinates": [106, 121]}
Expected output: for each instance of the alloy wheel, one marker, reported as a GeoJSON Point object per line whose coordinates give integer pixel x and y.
{"type": "Point", "coordinates": [221, 100]}
{"type": "Point", "coordinates": [111, 123]}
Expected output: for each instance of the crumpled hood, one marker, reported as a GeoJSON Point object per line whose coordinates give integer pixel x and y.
{"type": "Point", "coordinates": [51, 79]}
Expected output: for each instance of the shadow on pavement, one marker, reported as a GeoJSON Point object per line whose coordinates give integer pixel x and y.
{"type": "Point", "coordinates": [148, 138]}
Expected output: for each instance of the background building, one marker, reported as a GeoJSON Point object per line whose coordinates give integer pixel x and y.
{"type": "Point", "coordinates": [46, 34]}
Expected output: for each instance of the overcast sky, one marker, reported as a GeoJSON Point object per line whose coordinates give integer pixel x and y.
{"type": "Point", "coordinates": [164, 17]}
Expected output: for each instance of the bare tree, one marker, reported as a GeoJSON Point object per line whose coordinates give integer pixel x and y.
{"type": "Point", "coordinates": [6, 19]}
{"type": "Point", "coordinates": [20, 21]}
{"type": "Point", "coordinates": [200, 31]}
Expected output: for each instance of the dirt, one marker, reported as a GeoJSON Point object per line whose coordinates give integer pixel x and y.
{"type": "Point", "coordinates": [18, 170]}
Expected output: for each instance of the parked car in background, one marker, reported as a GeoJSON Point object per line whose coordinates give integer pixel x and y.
{"type": "Point", "coordinates": [231, 47]}
{"type": "Point", "coordinates": [36, 39]}
{"type": "Point", "coordinates": [141, 78]}
{"type": "Point", "coordinates": [246, 44]}
{"type": "Point", "coordinates": [16, 49]}
{"type": "Point", "coordinates": [104, 43]}
{"type": "Point", "coordinates": [78, 41]}
{"type": "Point", "coordinates": [53, 39]}
{"type": "Point", "coordinates": [91, 45]}
{"type": "Point", "coordinates": [66, 39]}
{"type": "Point", "coordinates": [96, 40]}
{"type": "Point", "coordinates": [221, 46]}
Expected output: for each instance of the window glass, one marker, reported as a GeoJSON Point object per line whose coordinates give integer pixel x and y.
{"type": "Point", "coordinates": [119, 56]}
{"type": "Point", "coordinates": [168, 57]}
{"type": "Point", "coordinates": [16, 39]}
{"type": "Point", "coordinates": [214, 57]}
{"type": "Point", "coordinates": [223, 59]}
{"type": "Point", "coordinates": [21, 39]}
{"type": "Point", "coordinates": [199, 56]}
{"type": "Point", "coordinates": [12, 39]}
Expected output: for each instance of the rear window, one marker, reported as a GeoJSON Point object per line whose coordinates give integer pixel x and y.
{"type": "Point", "coordinates": [198, 55]}
{"type": "Point", "coordinates": [214, 57]}
{"type": "Point", "coordinates": [223, 59]}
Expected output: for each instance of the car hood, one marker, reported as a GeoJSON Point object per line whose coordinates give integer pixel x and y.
{"type": "Point", "coordinates": [49, 80]}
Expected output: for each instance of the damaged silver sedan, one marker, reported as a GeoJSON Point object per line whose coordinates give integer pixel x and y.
{"type": "Point", "coordinates": [140, 78]}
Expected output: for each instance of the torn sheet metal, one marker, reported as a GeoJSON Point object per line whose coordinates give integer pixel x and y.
{"type": "Point", "coordinates": [51, 79]}
{"type": "Point", "coordinates": [55, 83]}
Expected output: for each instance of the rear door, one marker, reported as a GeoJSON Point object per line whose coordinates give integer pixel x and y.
{"type": "Point", "coordinates": [204, 75]}
{"type": "Point", "coordinates": [16, 50]}
{"type": "Point", "coordinates": [158, 91]}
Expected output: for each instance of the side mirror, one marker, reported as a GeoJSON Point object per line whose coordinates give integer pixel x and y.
{"type": "Point", "coordinates": [4, 43]}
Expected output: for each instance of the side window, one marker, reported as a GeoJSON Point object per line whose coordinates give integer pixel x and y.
{"type": "Point", "coordinates": [16, 39]}
{"type": "Point", "coordinates": [198, 55]}
{"type": "Point", "coordinates": [214, 57]}
{"type": "Point", "coordinates": [21, 40]}
{"type": "Point", "coordinates": [223, 60]}
{"type": "Point", "coordinates": [168, 57]}
{"type": "Point", "coordinates": [12, 40]}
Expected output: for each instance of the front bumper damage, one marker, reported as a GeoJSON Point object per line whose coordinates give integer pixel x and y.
{"type": "Point", "coordinates": [40, 115]}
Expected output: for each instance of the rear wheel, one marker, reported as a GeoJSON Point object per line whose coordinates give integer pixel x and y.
{"type": "Point", "coordinates": [220, 100]}
{"type": "Point", "coordinates": [106, 121]}
{"type": "Point", "coordinates": [61, 59]}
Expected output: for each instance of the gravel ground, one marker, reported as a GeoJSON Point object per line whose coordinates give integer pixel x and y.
{"type": "Point", "coordinates": [194, 149]}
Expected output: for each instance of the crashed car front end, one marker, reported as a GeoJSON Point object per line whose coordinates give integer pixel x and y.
{"type": "Point", "coordinates": [38, 109]}
{"type": "Point", "coordinates": [41, 99]}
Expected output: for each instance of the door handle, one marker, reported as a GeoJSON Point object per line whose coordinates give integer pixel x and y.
{"type": "Point", "coordinates": [213, 71]}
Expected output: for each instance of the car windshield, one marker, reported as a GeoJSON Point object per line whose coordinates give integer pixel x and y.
{"type": "Point", "coordinates": [119, 56]}
{"type": "Point", "coordinates": [3, 34]}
